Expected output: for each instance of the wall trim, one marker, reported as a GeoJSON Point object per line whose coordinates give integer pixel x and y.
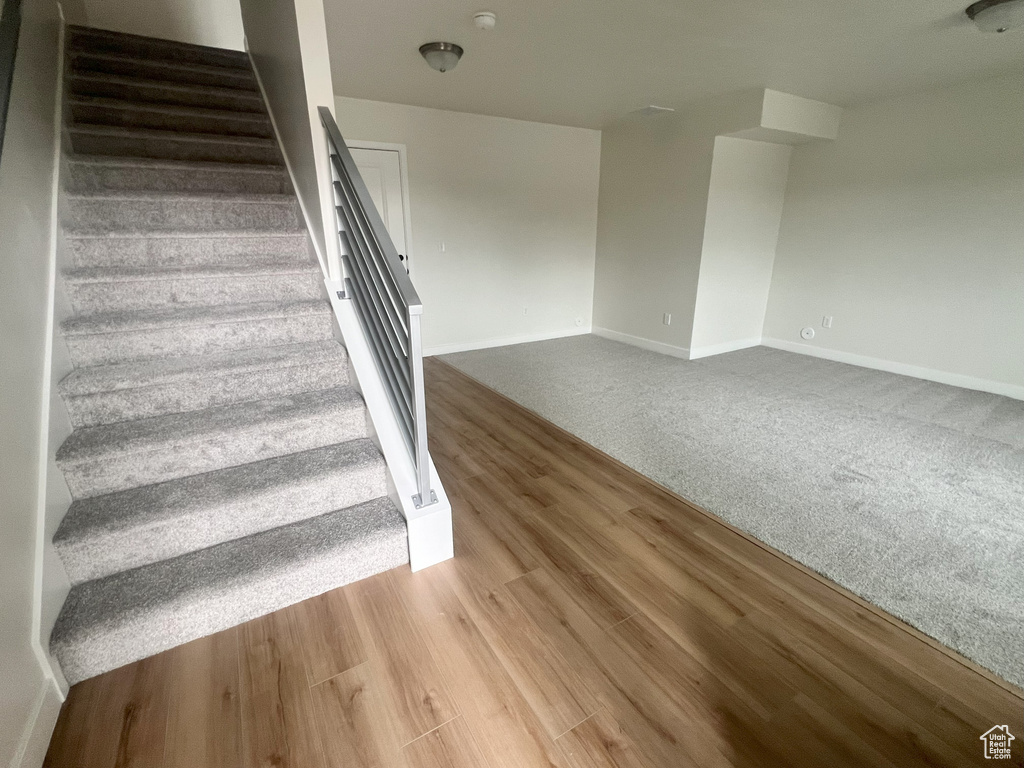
{"type": "Point", "coordinates": [40, 634]}
{"type": "Point", "coordinates": [504, 341]}
{"type": "Point", "coordinates": [35, 738]}
{"type": "Point", "coordinates": [638, 341]}
{"type": "Point", "coordinates": [719, 349]}
{"type": "Point", "coordinates": [321, 257]}
{"type": "Point", "coordinates": [904, 369]}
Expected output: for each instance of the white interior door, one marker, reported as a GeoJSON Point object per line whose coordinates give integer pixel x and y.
{"type": "Point", "coordinates": [382, 172]}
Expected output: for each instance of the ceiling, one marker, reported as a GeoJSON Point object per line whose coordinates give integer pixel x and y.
{"type": "Point", "coordinates": [589, 63]}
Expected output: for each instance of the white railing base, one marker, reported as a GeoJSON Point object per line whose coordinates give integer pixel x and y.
{"type": "Point", "coordinates": [430, 527]}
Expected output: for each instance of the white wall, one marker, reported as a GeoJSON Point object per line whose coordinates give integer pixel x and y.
{"type": "Point", "coordinates": [287, 42]}
{"type": "Point", "coordinates": [909, 231]}
{"type": "Point", "coordinates": [656, 177]}
{"type": "Point", "coordinates": [744, 209]}
{"type": "Point", "coordinates": [217, 23]}
{"type": "Point", "coordinates": [515, 204]}
{"type": "Point", "coordinates": [654, 184]}
{"type": "Point", "coordinates": [29, 697]}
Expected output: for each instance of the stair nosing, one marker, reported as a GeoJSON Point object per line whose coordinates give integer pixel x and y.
{"type": "Point", "coordinates": [135, 80]}
{"type": "Point", "coordinates": [195, 166]}
{"type": "Point", "coordinates": [160, 195]}
{"type": "Point", "coordinates": [92, 275]}
{"type": "Point", "coordinates": [357, 451]}
{"type": "Point", "coordinates": [220, 314]}
{"type": "Point", "coordinates": [87, 381]}
{"type": "Point", "coordinates": [84, 448]}
{"type": "Point", "coordinates": [117, 131]}
{"type": "Point", "coordinates": [105, 605]}
{"type": "Point", "coordinates": [171, 109]}
{"type": "Point", "coordinates": [213, 69]}
{"type": "Point", "coordinates": [79, 31]}
{"type": "Point", "coordinates": [183, 234]}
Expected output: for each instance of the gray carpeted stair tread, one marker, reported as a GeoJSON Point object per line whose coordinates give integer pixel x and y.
{"type": "Point", "coordinates": [165, 370]}
{"type": "Point", "coordinates": [163, 70]}
{"type": "Point", "coordinates": [107, 394]}
{"type": "Point", "coordinates": [133, 614]}
{"type": "Point", "coordinates": [106, 534]}
{"type": "Point", "coordinates": [117, 132]}
{"type": "Point", "coordinates": [86, 275]}
{"type": "Point", "coordinates": [159, 196]}
{"type": "Point", "coordinates": [115, 337]}
{"type": "Point", "coordinates": [186, 248]}
{"type": "Point", "coordinates": [129, 454]}
{"type": "Point", "coordinates": [111, 289]}
{"type": "Point", "coordinates": [107, 173]}
{"type": "Point", "coordinates": [172, 145]}
{"type": "Point", "coordinates": [192, 166]}
{"type": "Point", "coordinates": [107, 41]}
{"type": "Point", "coordinates": [190, 317]}
{"type": "Point", "coordinates": [162, 92]}
{"type": "Point", "coordinates": [102, 110]}
{"type": "Point", "coordinates": [154, 212]}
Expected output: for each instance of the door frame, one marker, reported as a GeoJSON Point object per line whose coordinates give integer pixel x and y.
{"type": "Point", "coordinates": [403, 170]}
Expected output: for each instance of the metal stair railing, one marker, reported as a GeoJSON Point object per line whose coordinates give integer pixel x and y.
{"type": "Point", "coordinates": [388, 307]}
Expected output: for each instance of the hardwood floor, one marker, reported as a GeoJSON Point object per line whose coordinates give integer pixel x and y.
{"type": "Point", "coordinates": [590, 618]}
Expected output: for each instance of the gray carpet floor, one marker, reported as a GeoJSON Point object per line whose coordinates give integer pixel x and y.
{"type": "Point", "coordinates": [907, 492]}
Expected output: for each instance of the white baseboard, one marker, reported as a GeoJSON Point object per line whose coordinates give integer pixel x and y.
{"type": "Point", "coordinates": [638, 341]}
{"type": "Point", "coordinates": [719, 349]}
{"type": "Point", "coordinates": [504, 341]}
{"type": "Point", "coordinates": [919, 372]}
{"type": "Point", "coordinates": [35, 739]}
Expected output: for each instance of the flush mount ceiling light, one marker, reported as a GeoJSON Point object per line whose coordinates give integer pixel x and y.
{"type": "Point", "coordinates": [484, 20]}
{"type": "Point", "coordinates": [997, 15]}
{"type": "Point", "coordinates": [441, 56]}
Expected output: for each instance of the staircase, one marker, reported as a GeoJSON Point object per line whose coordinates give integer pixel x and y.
{"type": "Point", "coordinates": [220, 464]}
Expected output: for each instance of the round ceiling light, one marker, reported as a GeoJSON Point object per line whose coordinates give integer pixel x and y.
{"type": "Point", "coordinates": [485, 20]}
{"type": "Point", "coordinates": [441, 56]}
{"type": "Point", "coordinates": [997, 15]}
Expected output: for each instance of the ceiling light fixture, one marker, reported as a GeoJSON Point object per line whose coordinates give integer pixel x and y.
{"type": "Point", "coordinates": [996, 15]}
{"type": "Point", "coordinates": [441, 56]}
{"type": "Point", "coordinates": [485, 20]}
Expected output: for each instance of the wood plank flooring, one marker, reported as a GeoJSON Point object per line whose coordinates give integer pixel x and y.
{"type": "Point", "coordinates": [590, 619]}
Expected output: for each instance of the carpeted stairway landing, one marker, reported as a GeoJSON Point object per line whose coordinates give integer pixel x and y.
{"type": "Point", "coordinates": [220, 463]}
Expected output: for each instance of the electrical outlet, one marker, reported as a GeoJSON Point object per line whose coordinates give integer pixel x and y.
{"type": "Point", "coordinates": [826, 321]}
{"type": "Point", "coordinates": [579, 321]}
{"type": "Point", "coordinates": [666, 319]}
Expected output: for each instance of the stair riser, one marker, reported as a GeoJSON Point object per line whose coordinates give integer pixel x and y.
{"type": "Point", "coordinates": [242, 445]}
{"type": "Point", "coordinates": [185, 396]}
{"type": "Point", "coordinates": [164, 93]}
{"type": "Point", "coordinates": [133, 548]}
{"type": "Point", "coordinates": [105, 348]}
{"type": "Point", "coordinates": [94, 177]}
{"type": "Point", "coordinates": [244, 124]}
{"type": "Point", "coordinates": [143, 48]}
{"type": "Point", "coordinates": [163, 71]}
{"type": "Point", "coordinates": [124, 296]}
{"type": "Point", "coordinates": [86, 215]}
{"type": "Point", "coordinates": [173, 148]}
{"type": "Point", "coordinates": [184, 251]}
{"type": "Point", "coordinates": [153, 629]}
